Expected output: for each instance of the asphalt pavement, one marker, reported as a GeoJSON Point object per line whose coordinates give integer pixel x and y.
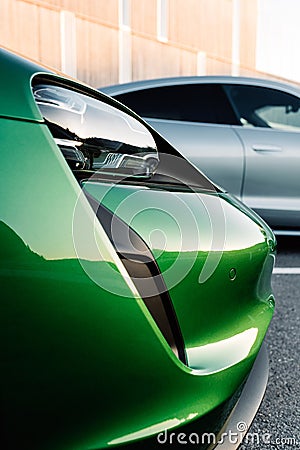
{"type": "Point", "coordinates": [277, 423]}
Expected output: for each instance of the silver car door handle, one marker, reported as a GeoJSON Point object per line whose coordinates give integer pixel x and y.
{"type": "Point", "coordinates": [266, 148]}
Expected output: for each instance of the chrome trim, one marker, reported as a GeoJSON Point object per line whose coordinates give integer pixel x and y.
{"type": "Point", "coordinates": [249, 401]}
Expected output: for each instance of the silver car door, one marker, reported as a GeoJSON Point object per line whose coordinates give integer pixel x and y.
{"type": "Point", "coordinates": [196, 118]}
{"type": "Point", "coordinates": [213, 149]}
{"type": "Point", "coordinates": [270, 132]}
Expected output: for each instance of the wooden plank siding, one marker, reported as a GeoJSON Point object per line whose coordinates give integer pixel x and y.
{"type": "Point", "coordinates": [33, 28]}
{"type": "Point", "coordinates": [202, 24]}
{"type": "Point", "coordinates": [97, 53]}
{"type": "Point", "coordinates": [153, 59]}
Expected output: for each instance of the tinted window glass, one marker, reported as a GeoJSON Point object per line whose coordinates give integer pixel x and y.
{"type": "Point", "coordinates": [264, 107]}
{"type": "Point", "coordinates": [191, 102]}
{"type": "Point", "coordinates": [93, 135]}
{"type": "Point", "coordinates": [102, 142]}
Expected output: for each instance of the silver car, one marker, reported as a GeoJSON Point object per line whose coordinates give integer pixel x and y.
{"type": "Point", "coordinates": [244, 133]}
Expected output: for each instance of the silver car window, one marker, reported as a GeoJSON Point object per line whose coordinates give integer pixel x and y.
{"type": "Point", "coordinates": [204, 103]}
{"type": "Point", "coordinates": [265, 107]}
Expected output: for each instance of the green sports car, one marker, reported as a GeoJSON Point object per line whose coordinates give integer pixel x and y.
{"type": "Point", "coordinates": [135, 293]}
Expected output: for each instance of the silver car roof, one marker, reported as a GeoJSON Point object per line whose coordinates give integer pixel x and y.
{"type": "Point", "coordinates": [158, 82]}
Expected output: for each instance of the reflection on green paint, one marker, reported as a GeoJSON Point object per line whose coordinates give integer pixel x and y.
{"type": "Point", "coordinates": [82, 368]}
{"type": "Point", "coordinates": [222, 308]}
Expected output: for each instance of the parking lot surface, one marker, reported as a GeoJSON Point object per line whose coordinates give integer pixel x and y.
{"type": "Point", "coordinates": [277, 424]}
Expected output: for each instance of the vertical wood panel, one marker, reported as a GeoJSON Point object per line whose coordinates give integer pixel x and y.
{"type": "Point", "coordinates": [49, 37]}
{"type": "Point", "coordinates": [248, 33]}
{"type": "Point", "coordinates": [97, 54]}
{"type": "Point", "coordinates": [27, 29]}
{"type": "Point", "coordinates": [32, 27]}
{"type": "Point", "coordinates": [8, 26]}
{"type": "Point", "coordinates": [143, 16]}
{"type": "Point", "coordinates": [204, 24]}
{"type": "Point", "coordinates": [154, 59]}
{"type": "Point", "coordinates": [217, 67]}
{"type": "Point", "coordinates": [104, 10]}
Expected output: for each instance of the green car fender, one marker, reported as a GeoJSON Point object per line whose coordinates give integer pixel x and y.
{"type": "Point", "coordinates": [83, 363]}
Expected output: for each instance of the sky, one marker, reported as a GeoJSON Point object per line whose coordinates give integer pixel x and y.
{"type": "Point", "coordinates": [278, 38]}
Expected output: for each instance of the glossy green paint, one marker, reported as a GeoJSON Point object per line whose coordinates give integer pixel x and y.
{"type": "Point", "coordinates": [212, 309]}
{"type": "Point", "coordinates": [81, 367]}
{"type": "Point", "coordinates": [16, 97]}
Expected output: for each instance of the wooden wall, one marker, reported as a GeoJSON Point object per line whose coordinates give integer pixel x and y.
{"type": "Point", "coordinates": [33, 28]}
